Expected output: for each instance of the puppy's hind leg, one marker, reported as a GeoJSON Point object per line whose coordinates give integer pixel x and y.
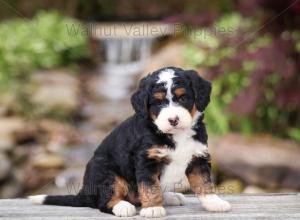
{"type": "Point", "coordinates": [117, 204]}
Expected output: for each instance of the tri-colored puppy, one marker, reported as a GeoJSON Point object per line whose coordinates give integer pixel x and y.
{"type": "Point", "coordinates": [156, 153]}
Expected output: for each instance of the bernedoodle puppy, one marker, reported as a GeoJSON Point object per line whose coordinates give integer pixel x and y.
{"type": "Point", "coordinates": [159, 151]}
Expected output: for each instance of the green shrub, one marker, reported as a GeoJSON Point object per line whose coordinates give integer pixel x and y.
{"type": "Point", "coordinates": [255, 78]}
{"type": "Point", "coordinates": [40, 43]}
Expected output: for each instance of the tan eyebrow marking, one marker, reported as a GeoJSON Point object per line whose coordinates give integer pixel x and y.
{"type": "Point", "coordinates": [179, 91]}
{"type": "Point", "coordinates": [159, 95]}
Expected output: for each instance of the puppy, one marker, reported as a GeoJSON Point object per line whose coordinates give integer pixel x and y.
{"type": "Point", "coordinates": [156, 153]}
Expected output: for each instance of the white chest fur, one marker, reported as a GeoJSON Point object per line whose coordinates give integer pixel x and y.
{"type": "Point", "coordinates": [173, 177]}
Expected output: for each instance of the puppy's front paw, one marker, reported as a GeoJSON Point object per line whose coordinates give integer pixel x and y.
{"type": "Point", "coordinates": [214, 203]}
{"type": "Point", "coordinates": [172, 198]}
{"type": "Point", "coordinates": [153, 212]}
{"type": "Point", "coordinates": [124, 209]}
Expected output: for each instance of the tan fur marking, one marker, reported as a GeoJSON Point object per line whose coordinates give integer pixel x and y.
{"type": "Point", "coordinates": [120, 191]}
{"type": "Point", "coordinates": [159, 95]}
{"type": "Point", "coordinates": [194, 110]}
{"type": "Point", "coordinates": [199, 184]}
{"type": "Point", "coordinates": [151, 195]}
{"type": "Point", "coordinates": [179, 92]}
{"type": "Point", "coordinates": [155, 153]}
{"type": "Point", "coordinates": [133, 198]}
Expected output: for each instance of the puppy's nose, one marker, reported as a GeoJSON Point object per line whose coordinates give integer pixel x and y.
{"type": "Point", "coordinates": [173, 121]}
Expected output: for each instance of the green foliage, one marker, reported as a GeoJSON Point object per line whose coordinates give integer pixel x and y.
{"type": "Point", "coordinates": [40, 43]}
{"type": "Point", "coordinates": [254, 80]}
{"type": "Point", "coordinates": [204, 50]}
{"type": "Point", "coordinates": [294, 133]}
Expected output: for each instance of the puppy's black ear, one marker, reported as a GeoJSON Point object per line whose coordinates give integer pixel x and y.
{"type": "Point", "coordinates": [201, 88]}
{"type": "Point", "coordinates": [139, 99]}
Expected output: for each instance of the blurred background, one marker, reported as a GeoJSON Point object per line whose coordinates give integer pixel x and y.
{"type": "Point", "coordinates": [68, 68]}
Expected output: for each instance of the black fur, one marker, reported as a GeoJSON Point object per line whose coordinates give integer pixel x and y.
{"type": "Point", "coordinates": [201, 88]}
{"type": "Point", "coordinates": [202, 166]}
{"type": "Point", "coordinates": [124, 151]}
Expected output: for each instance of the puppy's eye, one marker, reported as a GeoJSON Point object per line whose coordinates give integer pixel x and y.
{"type": "Point", "coordinates": [182, 98]}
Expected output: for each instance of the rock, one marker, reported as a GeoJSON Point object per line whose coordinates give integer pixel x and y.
{"type": "Point", "coordinates": [56, 91]}
{"type": "Point", "coordinates": [20, 154]}
{"type": "Point", "coordinates": [285, 190]}
{"type": "Point", "coordinates": [6, 144]}
{"type": "Point", "coordinates": [37, 178]}
{"type": "Point", "coordinates": [253, 189]}
{"type": "Point", "coordinates": [8, 103]}
{"type": "Point", "coordinates": [30, 177]}
{"type": "Point", "coordinates": [57, 134]}
{"type": "Point", "coordinates": [8, 126]}
{"type": "Point", "coordinates": [231, 186]}
{"type": "Point", "coordinates": [106, 115]}
{"type": "Point", "coordinates": [28, 134]}
{"type": "Point", "coordinates": [11, 188]}
{"type": "Point", "coordinates": [69, 177]}
{"type": "Point", "coordinates": [260, 160]}
{"type": "Point", "coordinates": [169, 55]}
{"type": "Point", "coordinates": [46, 161]}
{"type": "Point", "coordinates": [14, 131]}
{"type": "Point", "coordinates": [5, 166]}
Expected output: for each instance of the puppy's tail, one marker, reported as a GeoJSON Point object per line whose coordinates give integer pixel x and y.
{"type": "Point", "coordinates": [64, 200]}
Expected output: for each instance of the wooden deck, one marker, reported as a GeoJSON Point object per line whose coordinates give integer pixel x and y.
{"type": "Point", "coordinates": [263, 206]}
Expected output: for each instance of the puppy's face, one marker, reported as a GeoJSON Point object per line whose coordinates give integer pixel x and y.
{"type": "Point", "coordinates": [171, 102]}
{"type": "Point", "coordinates": [171, 97]}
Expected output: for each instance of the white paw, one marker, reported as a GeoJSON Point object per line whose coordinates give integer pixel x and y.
{"type": "Point", "coordinates": [171, 198]}
{"type": "Point", "coordinates": [124, 209]}
{"type": "Point", "coordinates": [153, 212]}
{"type": "Point", "coordinates": [214, 203]}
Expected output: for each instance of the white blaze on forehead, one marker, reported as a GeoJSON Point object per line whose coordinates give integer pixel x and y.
{"type": "Point", "coordinates": [166, 76]}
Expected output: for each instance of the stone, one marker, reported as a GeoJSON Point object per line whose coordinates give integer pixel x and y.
{"type": "Point", "coordinates": [20, 154]}
{"type": "Point", "coordinates": [70, 178]}
{"type": "Point", "coordinates": [57, 134]}
{"type": "Point", "coordinates": [10, 125]}
{"type": "Point", "coordinates": [113, 112]}
{"type": "Point", "coordinates": [6, 144]}
{"type": "Point", "coordinates": [12, 188]}
{"type": "Point", "coordinates": [251, 189]}
{"type": "Point", "coordinates": [8, 103]}
{"type": "Point", "coordinates": [15, 131]}
{"type": "Point", "coordinates": [28, 134]}
{"type": "Point", "coordinates": [46, 161]}
{"type": "Point", "coordinates": [55, 91]}
{"type": "Point", "coordinates": [5, 166]}
{"type": "Point", "coordinates": [259, 160]}
{"type": "Point", "coordinates": [169, 55]}
{"type": "Point", "coordinates": [230, 186]}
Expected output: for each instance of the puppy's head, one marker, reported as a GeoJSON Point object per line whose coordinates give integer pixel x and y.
{"type": "Point", "coordinates": [172, 97]}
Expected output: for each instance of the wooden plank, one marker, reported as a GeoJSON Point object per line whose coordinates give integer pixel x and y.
{"type": "Point", "coordinates": [262, 206]}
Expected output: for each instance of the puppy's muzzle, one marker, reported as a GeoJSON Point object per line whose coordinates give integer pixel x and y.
{"type": "Point", "coordinates": [174, 121]}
